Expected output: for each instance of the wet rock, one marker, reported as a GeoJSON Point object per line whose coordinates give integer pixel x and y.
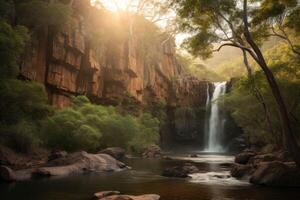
{"type": "Point", "coordinates": [129, 197]}
{"type": "Point", "coordinates": [240, 171]}
{"type": "Point", "coordinates": [116, 152]}
{"type": "Point", "coordinates": [243, 157]}
{"type": "Point", "coordinates": [276, 173]}
{"type": "Point", "coordinates": [194, 156]}
{"type": "Point", "coordinates": [175, 172]}
{"type": "Point", "coordinates": [226, 165]}
{"type": "Point", "coordinates": [80, 162]}
{"type": "Point", "coordinates": [103, 194]}
{"type": "Point", "coordinates": [57, 154]}
{"type": "Point", "coordinates": [153, 152]}
{"type": "Point", "coordinates": [180, 171]}
{"type": "Point", "coordinates": [7, 174]}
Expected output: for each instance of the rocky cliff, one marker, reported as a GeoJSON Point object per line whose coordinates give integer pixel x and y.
{"type": "Point", "coordinates": [68, 63]}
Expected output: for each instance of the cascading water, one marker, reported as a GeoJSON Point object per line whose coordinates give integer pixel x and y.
{"type": "Point", "coordinates": [215, 127]}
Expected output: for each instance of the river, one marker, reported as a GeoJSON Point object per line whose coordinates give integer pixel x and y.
{"type": "Point", "coordinates": [213, 183]}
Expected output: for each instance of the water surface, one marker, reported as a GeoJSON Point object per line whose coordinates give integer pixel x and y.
{"type": "Point", "coordinates": [212, 183]}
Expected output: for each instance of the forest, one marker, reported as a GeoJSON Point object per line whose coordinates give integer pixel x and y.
{"type": "Point", "coordinates": [150, 99]}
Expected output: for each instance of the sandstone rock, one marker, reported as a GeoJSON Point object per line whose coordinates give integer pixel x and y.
{"type": "Point", "coordinates": [153, 152]}
{"type": "Point", "coordinates": [255, 160]}
{"type": "Point", "coordinates": [80, 162]}
{"type": "Point", "coordinates": [103, 194]}
{"type": "Point", "coordinates": [7, 174]}
{"type": "Point", "coordinates": [130, 197]}
{"type": "Point", "coordinates": [180, 171]}
{"type": "Point", "coordinates": [57, 154]}
{"type": "Point", "coordinates": [116, 152]}
{"type": "Point", "coordinates": [283, 174]}
{"type": "Point", "coordinates": [240, 171]}
{"type": "Point", "coordinates": [244, 157]}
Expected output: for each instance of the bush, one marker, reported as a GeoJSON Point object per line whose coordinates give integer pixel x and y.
{"type": "Point", "coordinates": [85, 126]}
{"type": "Point", "coordinates": [23, 106]}
{"type": "Point", "coordinates": [12, 43]}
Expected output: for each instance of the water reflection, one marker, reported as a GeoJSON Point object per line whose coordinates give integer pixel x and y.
{"type": "Point", "coordinates": [212, 183]}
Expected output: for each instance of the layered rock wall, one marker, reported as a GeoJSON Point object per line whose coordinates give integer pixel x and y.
{"type": "Point", "coordinates": [68, 64]}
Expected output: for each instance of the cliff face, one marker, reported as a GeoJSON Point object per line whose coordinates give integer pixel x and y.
{"type": "Point", "coordinates": [67, 64]}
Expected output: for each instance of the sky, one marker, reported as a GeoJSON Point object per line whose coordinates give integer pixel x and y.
{"type": "Point", "coordinates": [123, 5]}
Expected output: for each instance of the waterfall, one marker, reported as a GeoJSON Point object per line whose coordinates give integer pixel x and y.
{"type": "Point", "coordinates": [215, 124]}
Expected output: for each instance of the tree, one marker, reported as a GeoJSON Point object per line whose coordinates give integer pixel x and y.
{"type": "Point", "coordinates": [281, 18]}
{"type": "Point", "coordinates": [229, 22]}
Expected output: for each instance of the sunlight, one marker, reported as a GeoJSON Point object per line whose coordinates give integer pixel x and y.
{"type": "Point", "coordinates": [115, 5]}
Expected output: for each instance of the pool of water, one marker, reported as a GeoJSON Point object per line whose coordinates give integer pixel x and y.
{"type": "Point", "coordinates": [212, 183]}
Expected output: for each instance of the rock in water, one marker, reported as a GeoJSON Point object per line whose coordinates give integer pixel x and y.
{"type": "Point", "coordinates": [180, 171]}
{"type": "Point", "coordinates": [130, 197]}
{"type": "Point", "coordinates": [116, 152]}
{"type": "Point", "coordinates": [276, 173]}
{"type": "Point", "coordinates": [7, 174]}
{"type": "Point", "coordinates": [103, 194]}
{"type": "Point", "coordinates": [153, 152]}
{"type": "Point", "coordinates": [244, 157]}
{"type": "Point", "coordinates": [80, 162]}
{"type": "Point", "coordinates": [240, 171]}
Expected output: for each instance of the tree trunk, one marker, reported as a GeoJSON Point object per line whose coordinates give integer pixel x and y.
{"type": "Point", "coordinates": [288, 135]}
{"type": "Point", "coordinates": [258, 95]}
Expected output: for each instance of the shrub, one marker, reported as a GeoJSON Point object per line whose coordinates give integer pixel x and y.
{"type": "Point", "coordinates": [23, 106]}
{"type": "Point", "coordinates": [90, 127]}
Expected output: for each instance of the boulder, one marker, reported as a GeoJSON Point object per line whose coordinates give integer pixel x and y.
{"type": "Point", "coordinates": [153, 152]}
{"type": "Point", "coordinates": [116, 152]}
{"type": "Point", "coordinates": [243, 157]}
{"type": "Point", "coordinates": [103, 194]}
{"type": "Point", "coordinates": [80, 162]}
{"type": "Point", "coordinates": [180, 171]}
{"type": "Point", "coordinates": [8, 157]}
{"type": "Point", "coordinates": [276, 173]}
{"type": "Point", "coordinates": [130, 197]}
{"type": "Point", "coordinates": [7, 174]}
{"type": "Point", "coordinates": [57, 154]}
{"type": "Point", "coordinates": [240, 171]}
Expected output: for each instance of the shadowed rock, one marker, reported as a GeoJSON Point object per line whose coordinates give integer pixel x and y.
{"type": "Point", "coordinates": [103, 194]}
{"type": "Point", "coordinates": [153, 152]}
{"type": "Point", "coordinates": [180, 171]}
{"type": "Point", "coordinates": [7, 174]}
{"type": "Point", "coordinates": [116, 152]}
{"type": "Point", "coordinates": [240, 171]}
{"type": "Point", "coordinates": [276, 173]}
{"type": "Point", "coordinates": [244, 157]}
{"type": "Point", "coordinates": [110, 195]}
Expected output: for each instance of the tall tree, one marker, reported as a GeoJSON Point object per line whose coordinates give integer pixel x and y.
{"type": "Point", "coordinates": [230, 22]}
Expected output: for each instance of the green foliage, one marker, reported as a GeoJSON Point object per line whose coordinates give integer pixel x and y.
{"type": "Point", "coordinates": [148, 135]}
{"type": "Point", "coordinates": [23, 106]}
{"type": "Point", "coordinates": [197, 69]}
{"type": "Point", "coordinates": [22, 100]}
{"type": "Point", "coordinates": [37, 14]}
{"type": "Point", "coordinates": [248, 111]}
{"type": "Point", "coordinates": [12, 43]}
{"type": "Point", "coordinates": [90, 127]}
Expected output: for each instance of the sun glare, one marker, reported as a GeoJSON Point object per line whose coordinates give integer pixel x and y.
{"type": "Point", "coordinates": [116, 5]}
